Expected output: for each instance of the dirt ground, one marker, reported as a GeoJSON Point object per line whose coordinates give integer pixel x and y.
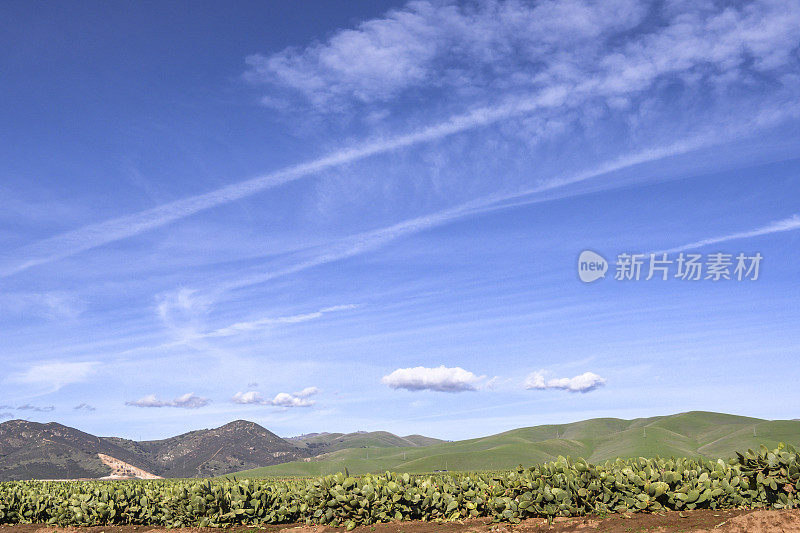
{"type": "Point", "coordinates": [705, 521]}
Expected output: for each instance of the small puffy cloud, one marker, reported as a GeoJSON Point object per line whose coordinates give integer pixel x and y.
{"type": "Point", "coordinates": [84, 407]}
{"type": "Point", "coordinates": [588, 381]}
{"type": "Point", "coordinates": [308, 391]}
{"type": "Point", "coordinates": [442, 379]}
{"type": "Point", "coordinates": [187, 401]}
{"type": "Point", "coordinates": [56, 375]}
{"type": "Point", "coordinates": [190, 401]}
{"type": "Point", "coordinates": [6, 416]}
{"type": "Point", "coordinates": [282, 399]}
{"type": "Point", "coordinates": [36, 408]}
{"type": "Point", "coordinates": [147, 401]}
{"type": "Point", "coordinates": [249, 397]}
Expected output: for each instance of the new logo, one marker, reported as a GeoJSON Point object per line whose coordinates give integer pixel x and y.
{"type": "Point", "coordinates": [591, 266]}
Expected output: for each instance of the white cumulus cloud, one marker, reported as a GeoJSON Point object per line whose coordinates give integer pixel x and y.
{"type": "Point", "coordinates": [441, 379]}
{"type": "Point", "coordinates": [187, 401]}
{"type": "Point", "coordinates": [588, 381]}
{"type": "Point", "coordinates": [285, 399]}
{"type": "Point", "coordinates": [249, 397]}
{"type": "Point", "coordinates": [282, 399]}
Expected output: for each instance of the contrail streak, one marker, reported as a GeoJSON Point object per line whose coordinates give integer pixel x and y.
{"type": "Point", "coordinates": [92, 236]}
{"type": "Point", "coordinates": [371, 240]}
{"type": "Point", "coordinates": [88, 237]}
{"type": "Point", "coordinates": [787, 224]}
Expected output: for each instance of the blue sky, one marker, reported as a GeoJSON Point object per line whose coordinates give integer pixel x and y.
{"type": "Point", "coordinates": [342, 216]}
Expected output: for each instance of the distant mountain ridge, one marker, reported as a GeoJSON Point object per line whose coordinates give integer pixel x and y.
{"type": "Point", "coordinates": [30, 450]}
{"type": "Point", "coordinates": [212, 452]}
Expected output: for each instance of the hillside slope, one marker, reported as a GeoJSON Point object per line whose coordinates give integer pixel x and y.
{"type": "Point", "coordinates": [690, 434]}
{"type": "Point", "coordinates": [212, 452]}
{"type": "Point", "coordinates": [320, 443]}
{"type": "Point", "coordinates": [29, 450]}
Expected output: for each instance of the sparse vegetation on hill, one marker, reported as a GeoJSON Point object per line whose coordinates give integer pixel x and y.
{"type": "Point", "coordinates": [212, 452]}
{"type": "Point", "coordinates": [29, 450]}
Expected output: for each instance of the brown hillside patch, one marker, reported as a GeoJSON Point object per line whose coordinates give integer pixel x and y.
{"type": "Point", "coordinates": [123, 470]}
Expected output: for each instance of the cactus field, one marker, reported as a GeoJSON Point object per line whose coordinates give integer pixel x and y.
{"type": "Point", "coordinates": [766, 479]}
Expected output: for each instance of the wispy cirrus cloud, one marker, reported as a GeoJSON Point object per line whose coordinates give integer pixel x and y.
{"type": "Point", "coordinates": [187, 401]}
{"type": "Point", "coordinates": [282, 399]}
{"type": "Point", "coordinates": [441, 379]}
{"type": "Point", "coordinates": [586, 382]}
{"type": "Point", "coordinates": [586, 59]}
{"type": "Point", "coordinates": [471, 50]}
{"type": "Point", "coordinates": [787, 224]}
{"type": "Point", "coordinates": [182, 313]}
{"type": "Point", "coordinates": [371, 240]}
{"type": "Point", "coordinates": [55, 375]}
{"type": "Point", "coordinates": [243, 327]}
{"type": "Point", "coordinates": [52, 305]}
{"type": "Point", "coordinates": [89, 237]}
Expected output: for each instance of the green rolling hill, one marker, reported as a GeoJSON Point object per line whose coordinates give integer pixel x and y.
{"type": "Point", "coordinates": [693, 434]}
{"type": "Point", "coordinates": [319, 443]}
